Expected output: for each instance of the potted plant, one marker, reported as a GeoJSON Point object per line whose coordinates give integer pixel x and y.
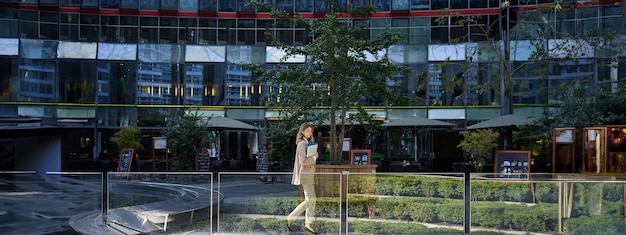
{"type": "Point", "coordinates": [478, 144]}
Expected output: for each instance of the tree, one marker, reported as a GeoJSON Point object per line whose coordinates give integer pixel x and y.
{"type": "Point", "coordinates": [184, 135]}
{"type": "Point", "coordinates": [539, 49]}
{"type": "Point", "coordinates": [128, 137]}
{"type": "Point", "coordinates": [342, 70]}
{"type": "Point", "coordinates": [479, 143]}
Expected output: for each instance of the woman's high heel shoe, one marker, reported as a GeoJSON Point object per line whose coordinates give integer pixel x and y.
{"type": "Point", "coordinates": [289, 226]}
{"type": "Point", "coordinates": [310, 230]}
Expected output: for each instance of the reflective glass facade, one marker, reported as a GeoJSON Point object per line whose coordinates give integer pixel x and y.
{"type": "Point", "coordinates": [134, 61]}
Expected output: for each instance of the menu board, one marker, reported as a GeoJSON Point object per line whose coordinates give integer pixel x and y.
{"type": "Point", "coordinates": [126, 160]}
{"type": "Point", "coordinates": [263, 163]}
{"type": "Point", "coordinates": [512, 164]}
{"type": "Point", "coordinates": [360, 156]}
{"type": "Point", "coordinates": [203, 161]}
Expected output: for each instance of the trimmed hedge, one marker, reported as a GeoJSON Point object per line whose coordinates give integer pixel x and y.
{"type": "Point", "coordinates": [496, 205]}
{"type": "Point", "coordinates": [597, 225]}
{"type": "Point", "coordinates": [244, 225]}
{"type": "Point", "coordinates": [499, 215]}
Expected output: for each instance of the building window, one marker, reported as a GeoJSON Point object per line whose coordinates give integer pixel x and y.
{"type": "Point", "coordinates": [188, 6]}
{"type": "Point", "coordinates": [439, 4]}
{"type": "Point", "coordinates": [9, 82]}
{"type": "Point", "coordinates": [225, 5]}
{"type": "Point", "coordinates": [438, 32]}
{"type": "Point", "coordinates": [89, 27]}
{"type": "Point", "coordinates": [77, 81]}
{"type": "Point", "coordinates": [401, 26]}
{"type": "Point", "coordinates": [129, 4]}
{"type": "Point", "coordinates": [207, 34]}
{"type": "Point", "coordinates": [420, 30]}
{"type": "Point", "coordinates": [158, 84]}
{"type": "Point", "coordinates": [383, 5]}
{"type": "Point", "coordinates": [115, 4]}
{"type": "Point", "coordinates": [149, 5]}
{"type": "Point", "coordinates": [458, 4]}
{"type": "Point", "coordinates": [116, 83]}
{"type": "Point", "coordinates": [304, 5]}
{"type": "Point", "coordinates": [49, 23]}
{"type": "Point", "coordinates": [400, 5]}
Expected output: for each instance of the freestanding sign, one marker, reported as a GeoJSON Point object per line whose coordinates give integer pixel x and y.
{"type": "Point", "coordinates": [126, 161]}
{"type": "Point", "coordinates": [360, 156]}
{"type": "Point", "coordinates": [512, 164]}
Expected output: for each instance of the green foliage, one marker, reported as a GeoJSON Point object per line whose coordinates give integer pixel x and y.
{"type": "Point", "coordinates": [128, 137]}
{"type": "Point", "coordinates": [282, 136]}
{"type": "Point", "coordinates": [597, 225]}
{"type": "Point", "coordinates": [578, 107]}
{"type": "Point", "coordinates": [184, 134]}
{"type": "Point", "coordinates": [502, 207]}
{"type": "Point", "coordinates": [337, 75]}
{"type": "Point", "coordinates": [546, 193]}
{"type": "Point", "coordinates": [479, 143]}
{"type": "Point", "coordinates": [373, 227]}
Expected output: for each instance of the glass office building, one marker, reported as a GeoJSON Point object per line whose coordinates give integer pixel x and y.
{"type": "Point", "coordinates": [73, 71]}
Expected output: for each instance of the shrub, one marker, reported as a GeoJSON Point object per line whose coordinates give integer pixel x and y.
{"type": "Point", "coordinates": [597, 225]}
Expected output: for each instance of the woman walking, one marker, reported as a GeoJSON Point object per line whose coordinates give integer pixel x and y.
{"type": "Point", "coordinates": [304, 174]}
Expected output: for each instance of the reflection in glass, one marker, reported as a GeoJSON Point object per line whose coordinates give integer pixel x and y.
{"type": "Point", "coordinates": [8, 18]}
{"type": "Point", "coordinates": [116, 116]}
{"type": "Point", "coordinates": [383, 5]}
{"type": "Point", "coordinates": [400, 5]}
{"type": "Point", "coordinates": [320, 6]}
{"type": "Point", "coordinates": [241, 6]}
{"type": "Point", "coordinates": [238, 86]}
{"type": "Point", "coordinates": [157, 84]}
{"type": "Point", "coordinates": [458, 4]}
{"type": "Point", "coordinates": [77, 81]}
{"type": "Point", "coordinates": [188, 5]}
{"type": "Point", "coordinates": [204, 84]}
{"type": "Point", "coordinates": [110, 4]}
{"type": "Point", "coordinates": [149, 5]}
{"type": "Point", "coordinates": [129, 4]}
{"type": "Point", "coordinates": [286, 5]}
{"type": "Point", "coordinates": [153, 117]}
{"type": "Point", "coordinates": [9, 82]}
{"type": "Point", "coordinates": [116, 83]}
{"type": "Point", "coordinates": [161, 53]}
{"type": "Point", "coordinates": [420, 5]}
{"type": "Point", "coordinates": [38, 49]}
{"type": "Point", "coordinates": [478, 4]}
{"type": "Point", "coordinates": [304, 5]}
{"type": "Point", "coordinates": [207, 6]}
{"type": "Point", "coordinates": [169, 5]}
{"type": "Point", "coordinates": [37, 81]}
{"type": "Point", "coordinates": [64, 3]}
{"type": "Point", "coordinates": [226, 5]}
{"type": "Point", "coordinates": [49, 31]}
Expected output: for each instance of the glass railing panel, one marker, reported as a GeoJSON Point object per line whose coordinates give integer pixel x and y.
{"type": "Point", "coordinates": [46, 203]}
{"type": "Point", "coordinates": [163, 202]}
{"type": "Point", "coordinates": [404, 203]}
{"type": "Point", "coordinates": [548, 203]}
{"type": "Point", "coordinates": [259, 203]}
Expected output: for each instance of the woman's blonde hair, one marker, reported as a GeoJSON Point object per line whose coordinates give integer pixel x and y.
{"type": "Point", "coordinates": [299, 136]}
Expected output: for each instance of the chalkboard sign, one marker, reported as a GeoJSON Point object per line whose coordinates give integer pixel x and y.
{"type": "Point", "coordinates": [360, 156]}
{"type": "Point", "coordinates": [203, 160]}
{"type": "Point", "coordinates": [263, 164]}
{"type": "Point", "coordinates": [512, 164]}
{"type": "Point", "coordinates": [126, 160]}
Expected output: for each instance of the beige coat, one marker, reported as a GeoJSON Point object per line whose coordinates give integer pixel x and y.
{"type": "Point", "coordinates": [303, 167]}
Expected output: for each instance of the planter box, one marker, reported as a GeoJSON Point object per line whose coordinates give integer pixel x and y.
{"type": "Point", "coordinates": [330, 180]}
